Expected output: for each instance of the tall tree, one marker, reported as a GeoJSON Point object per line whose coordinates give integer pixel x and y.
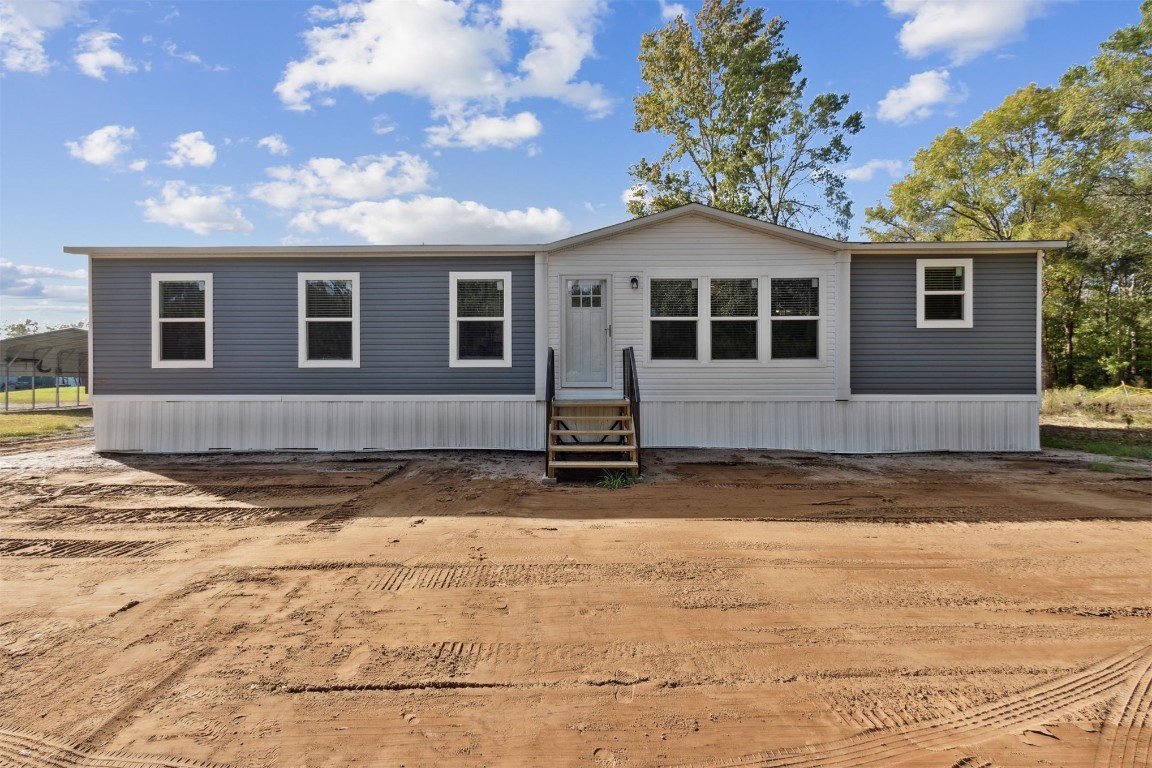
{"type": "Point", "coordinates": [728, 95]}
{"type": "Point", "coordinates": [1068, 162]}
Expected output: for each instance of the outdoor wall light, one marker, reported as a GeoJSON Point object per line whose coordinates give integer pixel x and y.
{"type": "Point", "coordinates": [635, 283]}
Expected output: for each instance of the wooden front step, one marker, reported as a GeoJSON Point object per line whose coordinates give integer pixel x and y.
{"type": "Point", "coordinates": [577, 428]}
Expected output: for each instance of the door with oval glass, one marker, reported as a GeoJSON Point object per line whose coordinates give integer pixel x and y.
{"type": "Point", "coordinates": [587, 332]}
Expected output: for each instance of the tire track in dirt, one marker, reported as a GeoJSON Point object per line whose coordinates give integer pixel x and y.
{"type": "Point", "coordinates": [27, 749]}
{"type": "Point", "coordinates": [1126, 740]}
{"type": "Point", "coordinates": [891, 745]}
{"type": "Point", "coordinates": [69, 548]}
{"type": "Point", "coordinates": [53, 518]}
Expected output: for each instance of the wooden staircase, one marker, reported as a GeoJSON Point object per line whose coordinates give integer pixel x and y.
{"type": "Point", "coordinates": [592, 434]}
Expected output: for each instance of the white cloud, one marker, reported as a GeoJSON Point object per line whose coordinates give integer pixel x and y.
{"type": "Point", "coordinates": [382, 125]}
{"type": "Point", "coordinates": [184, 205]}
{"type": "Point", "coordinates": [865, 172]}
{"type": "Point", "coordinates": [191, 149]}
{"type": "Point", "coordinates": [104, 146]}
{"type": "Point", "coordinates": [274, 144]}
{"type": "Point", "coordinates": [964, 29]}
{"type": "Point", "coordinates": [456, 55]}
{"type": "Point", "coordinates": [32, 270]}
{"type": "Point", "coordinates": [96, 54]}
{"type": "Point", "coordinates": [440, 220]}
{"type": "Point", "coordinates": [138, 165]}
{"type": "Point", "coordinates": [24, 26]}
{"type": "Point", "coordinates": [329, 181]}
{"type": "Point", "coordinates": [484, 131]}
{"type": "Point", "coordinates": [670, 10]}
{"type": "Point", "coordinates": [916, 100]}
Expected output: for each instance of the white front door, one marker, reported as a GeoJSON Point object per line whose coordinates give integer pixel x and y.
{"type": "Point", "coordinates": [587, 333]}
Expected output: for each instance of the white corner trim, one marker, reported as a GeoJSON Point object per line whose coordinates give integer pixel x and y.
{"type": "Point", "coordinates": [1039, 321]}
{"type": "Point", "coordinates": [844, 325]}
{"type": "Point", "coordinates": [164, 277]}
{"type": "Point", "coordinates": [540, 294]}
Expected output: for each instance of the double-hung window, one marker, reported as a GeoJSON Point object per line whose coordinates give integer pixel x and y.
{"type": "Point", "coordinates": [795, 308]}
{"type": "Point", "coordinates": [182, 320]}
{"type": "Point", "coordinates": [673, 310]}
{"type": "Point", "coordinates": [943, 293]}
{"type": "Point", "coordinates": [480, 330]}
{"type": "Point", "coordinates": [735, 316]}
{"type": "Point", "coordinates": [329, 319]}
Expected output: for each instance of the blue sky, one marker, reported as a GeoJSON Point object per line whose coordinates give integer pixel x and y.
{"type": "Point", "coordinates": [397, 121]}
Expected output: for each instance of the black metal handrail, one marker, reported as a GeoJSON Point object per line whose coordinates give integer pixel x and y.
{"type": "Point", "coordinates": [632, 394]}
{"type": "Point", "coordinates": [549, 396]}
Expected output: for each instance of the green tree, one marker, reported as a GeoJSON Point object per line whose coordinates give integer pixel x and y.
{"type": "Point", "coordinates": [23, 328]}
{"type": "Point", "coordinates": [727, 94]}
{"type": "Point", "coordinates": [1071, 162]}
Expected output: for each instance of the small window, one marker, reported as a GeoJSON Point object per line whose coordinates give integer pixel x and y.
{"type": "Point", "coordinates": [480, 334]}
{"type": "Point", "coordinates": [944, 293]}
{"type": "Point", "coordinates": [181, 321]}
{"type": "Point", "coordinates": [735, 313]}
{"type": "Point", "coordinates": [796, 318]}
{"type": "Point", "coordinates": [329, 313]}
{"type": "Point", "coordinates": [673, 312]}
{"type": "Point", "coordinates": [587, 294]}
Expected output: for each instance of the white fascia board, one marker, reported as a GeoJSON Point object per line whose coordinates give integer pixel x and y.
{"type": "Point", "coordinates": [989, 247]}
{"type": "Point", "coordinates": [696, 209]}
{"type": "Point", "coordinates": [176, 252]}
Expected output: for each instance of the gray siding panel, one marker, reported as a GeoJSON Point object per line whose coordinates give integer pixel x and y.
{"type": "Point", "coordinates": [891, 356]}
{"type": "Point", "coordinates": [403, 329]}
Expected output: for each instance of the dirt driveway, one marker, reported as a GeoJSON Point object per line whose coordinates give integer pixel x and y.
{"type": "Point", "coordinates": [443, 609]}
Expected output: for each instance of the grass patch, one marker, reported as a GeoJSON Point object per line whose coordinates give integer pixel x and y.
{"type": "Point", "coordinates": [616, 480]}
{"type": "Point", "coordinates": [27, 424]}
{"type": "Point", "coordinates": [1077, 406]}
{"type": "Point", "coordinates": [1122, 443]}
{"type": "Point", "coordinates": [47, 395]}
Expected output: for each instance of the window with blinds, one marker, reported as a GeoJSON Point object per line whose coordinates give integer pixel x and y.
{"type": "Point", "coordinates": [943, 293]}
{"type": "Point", "coordinates": [673, 314]}
{"type": "Point", "coordinates": [181, 321]}
{"type": "Point", "coordinates": [329, 307]}
{"type": "Point", "coordinates": [795, 310]}
{"type": "Point", "coordinates": [734, 307]}
{"type": "Point", "coordinates": [480, 334]}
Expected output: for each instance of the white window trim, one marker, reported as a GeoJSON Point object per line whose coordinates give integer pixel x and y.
{"type": "Point", "coordinates": [821, 343]}
{"type": "Point", "coordinates": [703, 346]}
{"type": "Point", "coordinates": [454, 360]}
{"type": "Point", "coordinates": [712, 318]}
{"type": "Point", "coordinates": [165, 277]}
{"type": "Point", "coordinates": [764, 329]}
{"type": "Point", "coordinates": [921, 265]}
{"type": "Point", "coordinates": [302, 321]}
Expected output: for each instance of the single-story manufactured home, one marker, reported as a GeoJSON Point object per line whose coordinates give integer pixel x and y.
{"type": "Point", "coordinates": [706, 328]}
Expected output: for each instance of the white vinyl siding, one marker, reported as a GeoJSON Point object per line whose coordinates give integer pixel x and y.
{"type": "Point", "coordinates": [701, 248]}
{"type": "Point", "coordinates": [181, 320]}
{"type": "Point", "coordinates": [943, 293]}
{"type": "Point", "coordinates": [480, 320]}
{"type": "Point", "coordinates": [328, 308]}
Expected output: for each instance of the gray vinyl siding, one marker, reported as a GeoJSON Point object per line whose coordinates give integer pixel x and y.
{"type": "Point", "coordinates": [891, 356]}
{"type": "Point", "coordinates": [404, 319]}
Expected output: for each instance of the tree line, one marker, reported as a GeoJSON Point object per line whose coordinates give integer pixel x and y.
{"type": "Point", "coordinates": [1068, 162]}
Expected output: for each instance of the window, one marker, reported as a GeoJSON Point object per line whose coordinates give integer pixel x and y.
{"type": "Point", "coordinates": [329, 319]}
{"type": "Point", "coordinates": [480, 334]}
{"type": "Point", "coordinates": [673, 312]}
{"type": "Point", "coordinates": [943, 293]}
{"type": "Point", "coordinates": [181, 321]}
{"type": "Point", "coordinates": [735, 310]}
{"type": "Point", "coordinates": [795, 318]}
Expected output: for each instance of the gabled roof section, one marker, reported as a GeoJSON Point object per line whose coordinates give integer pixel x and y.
{"type": "Point", "coordinates": [63, 350]}
{"type": "Point", "coordinates": [697, 209]}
